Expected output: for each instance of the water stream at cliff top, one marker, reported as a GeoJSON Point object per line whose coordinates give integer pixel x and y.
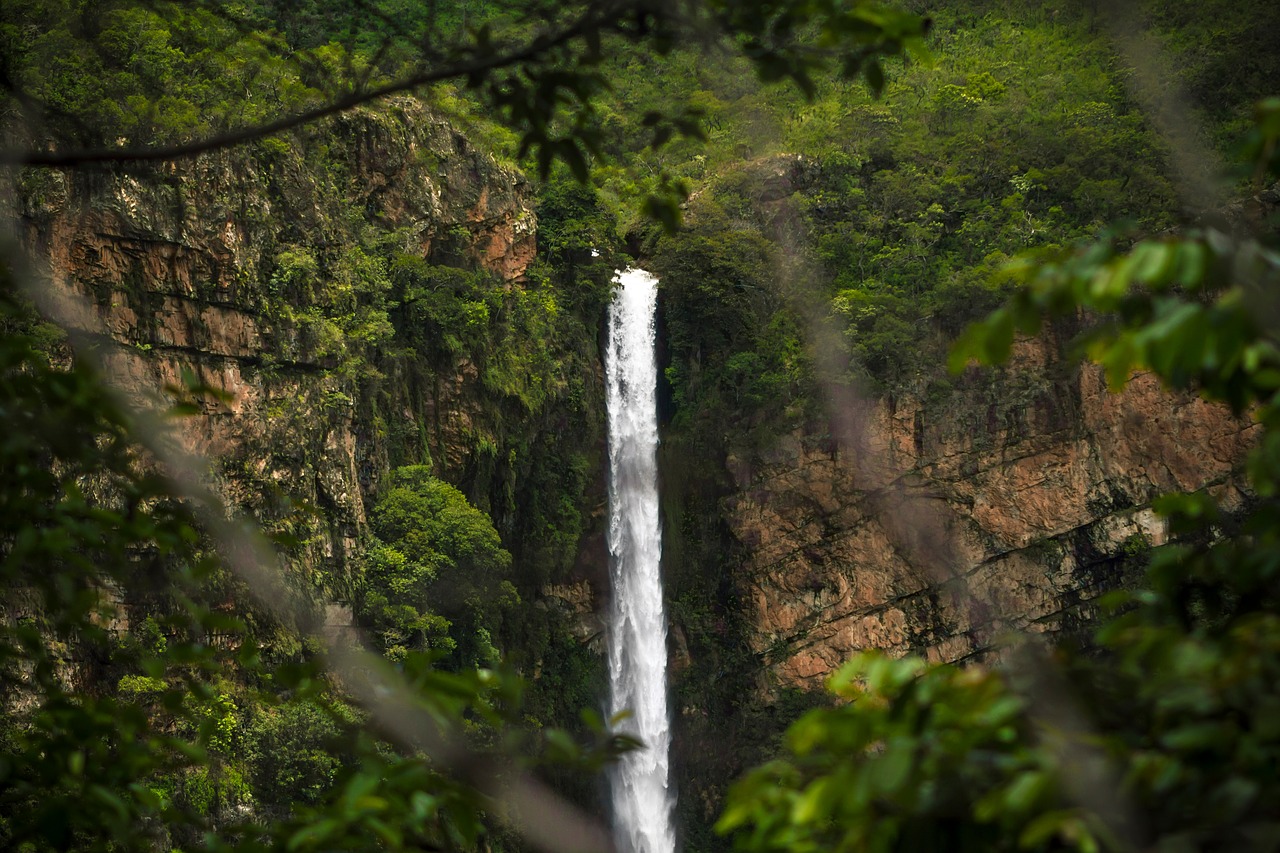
{"type": "Point", "coordinates": [642, 798]}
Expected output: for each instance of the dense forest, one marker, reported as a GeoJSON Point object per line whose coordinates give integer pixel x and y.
{"type": "Point", "coordinates": [302, 315]}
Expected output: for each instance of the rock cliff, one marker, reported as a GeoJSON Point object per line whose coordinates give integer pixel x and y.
{"type": "Point", "coordinates": [941, 522]}
{"type": "Point", "coordinates": [1004, 504]}
{"type": "Point", "coordinates": [937, 518]}
{"type": "Point", "coordinates": [251, 270]}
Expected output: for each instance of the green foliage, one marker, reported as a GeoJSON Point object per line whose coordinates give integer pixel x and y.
{"type": "Point", "coordinates": [448, 309]}
{"type": "Point", "coordinates": [537, 362]}
{"type": "Point", "coordinates": [82, 520]}
{"type": "Point", "coordinates": [1157, 318]}
{"type": "Point", "coordinates": [1167, 740]}
{"type": "Point", "coordinates": [915, 758]}
{"type": "Point", "coordinates": [1190, 308]}
{"type": "Point", "coordinates": [140, 684]}
{"type": "Point", "coordinates": [901, 206]}
{"type": "Point", "coordinates": [138, 73]}
{"type": "Point", "coordinates": [1225, 84]}
{"type": "Point", "coordinates": [738, 361]}
{"type": "Point", "coordinates": [436, 580]}
{"type": "Point", "coordinates": [336, 308]}
{"type": "Point", "coordinates": [125, 76]}
{"type": "Point", "coordinates": [933, 758]}
{"type": "Point", "coordinates": [185, 753]}
{"type": "Point", "coordinates": [215, 792]}
{"type": "Point", "coordinates": [511, 333]}
{"type": "Point", "coordinates": [576, 239]}
{"type": "Point", "coordinates": [293, 752]}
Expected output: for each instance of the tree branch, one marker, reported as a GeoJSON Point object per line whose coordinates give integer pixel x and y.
{"type": "Point", "coordinates": [597, 16]}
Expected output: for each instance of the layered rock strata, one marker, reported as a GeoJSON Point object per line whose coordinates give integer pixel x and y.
{"type": "Point", "coordinates": [181, 263]}
{"type": "Point", "coordinates": [1004, 505]}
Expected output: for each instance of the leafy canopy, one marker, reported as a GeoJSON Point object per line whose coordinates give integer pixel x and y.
{"type": "Point", "coordinates": [435, 579]}
{"type": "Point", "coordinates": [157, 79]}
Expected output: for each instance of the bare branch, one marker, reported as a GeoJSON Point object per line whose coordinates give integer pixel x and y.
{"type": "Point", "coordinates": [1090, 778]}
{"type": "Point", "coordinates": [1198, 170]}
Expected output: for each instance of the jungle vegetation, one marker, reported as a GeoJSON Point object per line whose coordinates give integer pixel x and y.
{"type": "Point", "coordinates": [920, 167]}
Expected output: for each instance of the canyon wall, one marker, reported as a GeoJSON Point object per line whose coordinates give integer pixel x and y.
{"type": "Point", "coordinates": [1001, 504]}
{"type": "Point", "coordinates": [1003, 501]}
{"type": "Point", "coordinates": [992, 506]}
{"type": "Point", "coordinates": [251, 270]}
{"type": "Point", "coordinates": [1005, 504]}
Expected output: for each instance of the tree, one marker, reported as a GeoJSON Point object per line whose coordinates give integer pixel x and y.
{"type": "Point", "coordinates": [435, 579]}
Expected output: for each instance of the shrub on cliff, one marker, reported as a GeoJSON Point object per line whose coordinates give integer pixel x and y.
{"type": "Point", "coordinates": [124, 740]}
{"type": "Point", "coordinates": [436, 578]}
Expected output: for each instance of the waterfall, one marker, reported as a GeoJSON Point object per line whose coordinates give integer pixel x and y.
{"type": "Point", "coordinates": [642, 798]}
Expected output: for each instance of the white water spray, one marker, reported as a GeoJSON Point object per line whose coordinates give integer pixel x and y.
{"type": "Point", "coordinates": [642, 798]}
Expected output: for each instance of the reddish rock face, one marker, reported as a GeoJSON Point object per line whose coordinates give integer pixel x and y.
{"type": "Point", "coordinates": [178, 262]}
{"type": "Point", "coordinates": [951, 524]}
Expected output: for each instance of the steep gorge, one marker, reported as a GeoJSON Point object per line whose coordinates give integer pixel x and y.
{"type": "Point", "coordinates": [1005, 503]}
{"type": "Point", "coordinates": [957, 522]}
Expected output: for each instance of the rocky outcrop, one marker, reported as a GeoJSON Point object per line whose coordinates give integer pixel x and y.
{"type": "Point", "coordinates": [185, 265]}
{"type": "Point", "coordinates": [1003, 505]}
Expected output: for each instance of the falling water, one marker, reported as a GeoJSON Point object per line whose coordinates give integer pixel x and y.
{"type": "Point", "coordinates": [642, 799]}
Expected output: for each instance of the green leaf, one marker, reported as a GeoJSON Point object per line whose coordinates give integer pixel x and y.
{"type": "Point", "coordinates": [892, 768]}
{"type": "Point", "coordinates": [1154, 263]}
{"type": "Point", "coordinates": [1044, 828]}
{"type": "Point", "coordinates": [313, 834]}
{"type": "Point", "coordinates": [814, 802]}
{"type": "Point", "coordinates": [1026, 790]}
